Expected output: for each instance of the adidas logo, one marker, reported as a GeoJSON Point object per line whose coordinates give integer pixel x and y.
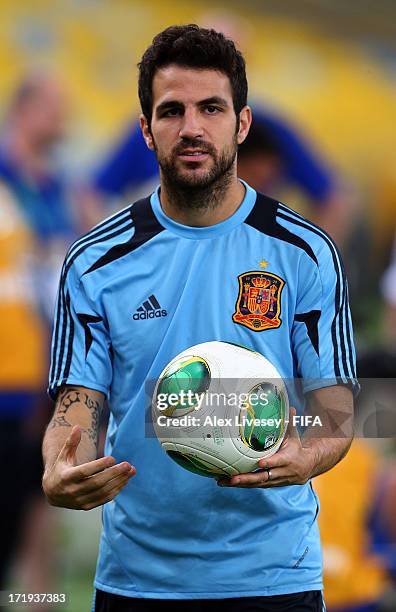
{"type": "Point", "coordinates": [150, 309]}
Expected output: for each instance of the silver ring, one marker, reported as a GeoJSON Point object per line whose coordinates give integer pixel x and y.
{"type": "Point", "coordinates": [269, 474]}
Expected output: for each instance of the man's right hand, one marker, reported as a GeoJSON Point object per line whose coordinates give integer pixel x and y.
{"type": "Point", "coordinates": [85, 486]}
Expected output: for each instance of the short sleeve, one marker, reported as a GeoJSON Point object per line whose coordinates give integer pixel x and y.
{"type": "Point", "coordinates": [322, 335]}
{"type": "Point", "coordinates": [81, 347]}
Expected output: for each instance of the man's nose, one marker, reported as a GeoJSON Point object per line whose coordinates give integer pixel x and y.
{"type": "Point", "coordinates": [191, 125]}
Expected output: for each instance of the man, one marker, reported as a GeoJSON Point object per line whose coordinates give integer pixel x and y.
{"type": "Point", "coordinates": [35, 126]}
{"type": "Point", "coordinates": [171, 536]}
{"type": "Point", "coordinates": [36, 228]}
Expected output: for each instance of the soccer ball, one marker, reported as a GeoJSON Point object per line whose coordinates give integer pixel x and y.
{"type": "Point", "coordinates": [218, 408]}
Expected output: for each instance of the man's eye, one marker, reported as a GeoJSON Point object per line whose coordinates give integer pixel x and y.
{"type": "Point", "coordinates": [171, 112]}
{"type": "Point", "coordinates": [212, 110]}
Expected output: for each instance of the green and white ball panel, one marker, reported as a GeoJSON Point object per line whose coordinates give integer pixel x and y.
{"type": "Point", "coordinates": [267, 403]}
{"type": "Point", "coordinates": [190, 373]}
{"type": "Point", "coordinates": [254, 441]}
{"type": "Point", "coordinates": [198, 461]}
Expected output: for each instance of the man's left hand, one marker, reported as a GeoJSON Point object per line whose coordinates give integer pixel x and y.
{"type": "Point", "coordinates": [293, 464]}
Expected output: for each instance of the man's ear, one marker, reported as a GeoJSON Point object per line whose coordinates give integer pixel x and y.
{"type": "Point", "coordinates": [245, 121]}
{"type": "Point", "coordinates": [144, 126]}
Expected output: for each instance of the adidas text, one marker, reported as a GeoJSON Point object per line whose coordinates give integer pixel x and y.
{"type": "Point", "coordinates": [151, 314]}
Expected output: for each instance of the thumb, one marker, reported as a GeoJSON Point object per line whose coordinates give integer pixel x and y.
{"type": "Point", "coordinates": [292, 430]}
{"type": "Point", "coordinates": [69, 448]}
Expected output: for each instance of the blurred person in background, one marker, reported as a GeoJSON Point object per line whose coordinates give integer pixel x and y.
{"type": "Point", "coordinates": [382, 525]}
{"type": "Point", "coordinates": [357, 522]}
{"type": "Point", "coordinates": [377, 363]}
{"type": "Point", "coordinates": [35, 126]}
{"type": "Point", "coordinates": [36, 227]}
{"type": "Point", "coordinates": [388, 289]}
{"type": "Point", "coordinates": [379, 360]}
{"type": "Point", "coordinates": [355, 578]}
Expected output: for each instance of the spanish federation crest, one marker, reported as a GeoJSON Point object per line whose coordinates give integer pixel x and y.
{"type": "Point", "coordinates": [258, 305]}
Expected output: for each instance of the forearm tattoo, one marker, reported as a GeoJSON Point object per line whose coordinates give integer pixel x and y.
{"type": "Point", "coordinates": [69, 399]}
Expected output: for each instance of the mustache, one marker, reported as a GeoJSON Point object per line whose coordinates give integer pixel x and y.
{"type": "Point", "coordinates": [205, 147]}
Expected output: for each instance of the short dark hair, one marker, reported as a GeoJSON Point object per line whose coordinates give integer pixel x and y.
{"type": "Point", "coordinates": [193, 47]}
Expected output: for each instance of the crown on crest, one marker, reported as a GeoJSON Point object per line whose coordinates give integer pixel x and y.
{"type": "Point", "coordinates": [260, 282]}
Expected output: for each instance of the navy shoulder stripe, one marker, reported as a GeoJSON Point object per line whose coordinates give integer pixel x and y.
{"type": "Point", "coordinates": [64, 326]}
{"type": "Point", "coordinates": [263, 217]}
{"type": "Point", "coordinates": [112, 223]}
{"type": "Point", "coordinates": [311, 320]}
{"type": "Point", "coordinates": [341, 315]}
{"type": "Point", "coordinates": [62, 323]}
{"type": "Point", "coordinates": [146, 227]}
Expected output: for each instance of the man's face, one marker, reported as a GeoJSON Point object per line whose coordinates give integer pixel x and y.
{"type": "Point", "coordinates": [44, 116]}
{"type": "Point", "coordinates": [194, 128]}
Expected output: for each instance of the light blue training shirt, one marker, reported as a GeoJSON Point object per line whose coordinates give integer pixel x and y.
{"type": "Point", "coordinates": [140, 288]}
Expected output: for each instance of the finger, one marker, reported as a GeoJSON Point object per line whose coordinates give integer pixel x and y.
{"type": "Point", "coordinates": [102, 501]}
{"type": "Point", "coordinates": [98, 481]}
{"type": "Point", "coordinates": [93, 467]}
{"type": "Point", "coordinates": [105, 495]}
{"type": "Point", "coordinates": [278, 460]}
{"type": "Point", "coordinates": [281, 482]}
{"type": "Point", "coordinates": [99, 495]}
{"type": "Point", "coordinates": [115, 492]}
{"type": "Point", "coordinates": [69, 449]}
{"type": "Point", "coordinates": [107, 488]}
{"type": "Point", "coordinates": [256, 478]}
{"type": "Point", "coordinates": [279, 478]}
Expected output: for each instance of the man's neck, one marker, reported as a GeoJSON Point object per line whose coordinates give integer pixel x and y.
{"type": "Point", "coordinates": [201, 208]}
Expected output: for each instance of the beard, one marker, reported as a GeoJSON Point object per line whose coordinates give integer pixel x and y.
{"type": "Point", "coordinates": [203, 190]}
